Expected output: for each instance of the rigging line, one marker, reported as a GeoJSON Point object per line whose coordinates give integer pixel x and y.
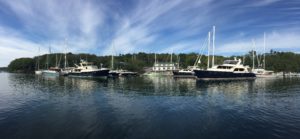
{"type": "Point", "coordinates": [201, 50]}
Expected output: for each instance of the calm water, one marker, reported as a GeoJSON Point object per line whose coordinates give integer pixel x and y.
{"type": "Point", "coordinates": [136, 108]}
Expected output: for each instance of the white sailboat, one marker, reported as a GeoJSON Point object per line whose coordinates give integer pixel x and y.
{"type": "Point", "coordinates": [38, 71]}
{"type": "Point", "coordinates": [119, 72]}
{"type": "Point", "coordinates": [66, 70]}
{"type": "Point", "coordinates": [261, 71]}
{"type": "Point", "coordinates": [189, 71]}
{"type": "Point", "coordinates": [52, 71]}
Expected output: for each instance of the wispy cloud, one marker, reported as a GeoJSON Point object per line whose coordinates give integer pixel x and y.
{"type": "Point", "coordinates": [110, 27]}
{"type": "Point", "coordinates": [49, 23]}
{"type": "Point", "coordinates": [280, 41]}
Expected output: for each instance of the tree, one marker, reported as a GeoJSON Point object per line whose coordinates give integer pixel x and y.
{"type": "Point", "coordinates": [26, 65]}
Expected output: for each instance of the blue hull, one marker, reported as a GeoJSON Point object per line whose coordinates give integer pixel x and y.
{"type": "Point", "coordinates": [204, 74]}
{"type": "Point", "coordinates": [100, 73]}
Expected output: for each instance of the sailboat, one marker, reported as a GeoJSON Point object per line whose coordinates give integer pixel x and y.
{"type": "Point", "coordinates": [119, 72]}
{"type": "Point", "coordinates": [261, 71]}
{"type": "Point", "coordinates": [38, 71]}
{"type": "Point", "coordinates": [189, 71]}
{"type": "Point", "coordinates": [52, 71]}
{"type": "Point", "coordinates": [66, 70]}
{"type": "Point", "coordinates": [230, 69]}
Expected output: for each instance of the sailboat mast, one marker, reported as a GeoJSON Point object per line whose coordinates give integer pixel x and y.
{"type": "Point", "coordinates": [48, 57]}
{"type": "Point", "coordinates": [253, 43]}
{"type": "Point", "coordinates": [65, 65]}
{"type": "Point", "coordinates": [155, 58]}
{"type": "Point", "coordinates": [264, 50]}
{"type": "Point", "coordinates": [213, 49]}
{"type": "Point", "coordinates": [38, 60]}
{"type": "Point", "coordinates": [112, 61]}
{"type": "Point", "coordinates": [171, 57]}
{"type": "Point", "coordinates": [56, 64]}
{"type": "Point", "coordinates": [178, 60]}
{"type": "Point", "coordinates": [112, 55]}
{"type": "Point", "coordinates": [208, 50]}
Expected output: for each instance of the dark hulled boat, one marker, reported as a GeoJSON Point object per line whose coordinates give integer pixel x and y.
{"type": "Point", "coordinates": [230, 69]}
{"type": "Point", "coordinates": [184, 74]}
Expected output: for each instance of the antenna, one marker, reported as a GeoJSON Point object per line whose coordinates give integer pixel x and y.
{"type": "Point", "coordinates": [208, 50]}
{"type": "Point", "coordinates": [213, 49]}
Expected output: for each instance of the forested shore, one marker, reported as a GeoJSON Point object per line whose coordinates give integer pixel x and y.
{"type": "Point", "coordinates": [276, 61]}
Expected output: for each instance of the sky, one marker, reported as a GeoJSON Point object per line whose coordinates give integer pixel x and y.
{"type": "Point", "coordinates": [105, 27]}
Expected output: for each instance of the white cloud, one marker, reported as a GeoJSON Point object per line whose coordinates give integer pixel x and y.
{"type": "Point", "coordinates": [276, 40]}
{"type": "Point", "coordinates": [106, 27]}
{"type": "Point", "coordinates": [263, 3]}
{"type": "Point", "coordinates": [140, 30]}
{"type": "Point", "coordinates": [51, 21]}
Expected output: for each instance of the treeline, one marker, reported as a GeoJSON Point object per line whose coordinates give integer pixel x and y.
{"type": "Point", "coordinates": [277, 61]}
{"type": "Point", "coordinates": [3, 68]}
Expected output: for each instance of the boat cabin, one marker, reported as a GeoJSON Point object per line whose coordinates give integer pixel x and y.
{"type": "Point", "coordinates": [231, 66]}
{"type": "Point", "coordinates": [85, 66]}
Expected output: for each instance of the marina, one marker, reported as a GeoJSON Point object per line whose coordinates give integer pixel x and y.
{"type": "Point", "coordinates": [149, 69]}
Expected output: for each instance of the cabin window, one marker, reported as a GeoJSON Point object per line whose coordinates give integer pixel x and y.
{"type": "Point", "coordinates": [238, 69]}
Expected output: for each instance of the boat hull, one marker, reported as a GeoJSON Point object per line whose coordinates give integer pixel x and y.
{"type": "Point", "coordinates": [50, 73]}
{"type": "Point", "coordinates": [204, 74]}
{"type": "Point", "coordinates": [159, 73]}
{"type": "Point", "coordinates": [113, 74]}
{"type": "Point", "coordinates": [189, 74]}
{"type": "Point", "coordinates": [98, 73]}
{"type": "Point", "coordinates": [38, 72]}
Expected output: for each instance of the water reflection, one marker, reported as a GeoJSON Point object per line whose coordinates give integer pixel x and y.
{"type": "Point", "coordinates": [148, 107]}
{"type": "Point", "coordinates": [146, 86]}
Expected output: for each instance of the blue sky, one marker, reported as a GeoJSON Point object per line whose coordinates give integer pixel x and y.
{"type": "Point", "coordinates": [105, 27]}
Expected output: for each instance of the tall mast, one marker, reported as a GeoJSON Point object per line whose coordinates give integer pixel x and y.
{"type": "Point", "coordinates": [171, 60]}
{"type": "Point", "coordinates": [112, 56]}
{"type": "Point", "coordinates": [65, 65]}
{"type": "Point", "coordinates": [48, 57]}
{"type": "Point", "coordinates": [56, 63]}
{"type": "Point", "coordinates": [38, 60]}
{"type": "Point", "coordinates": [253, 44]}
{"type": "Point", "coordinates": [112, 61]}
{"type": "Point", "coordinates": [213, 43]}
{"type": "Point", "coordinates": [178, 60]}
{"type": "Point", "coordinates": [264, 50]}
{"type": "Point", "coordinates": [208, 47]}
{"type": "Point", "coordinates": [155, 58]}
